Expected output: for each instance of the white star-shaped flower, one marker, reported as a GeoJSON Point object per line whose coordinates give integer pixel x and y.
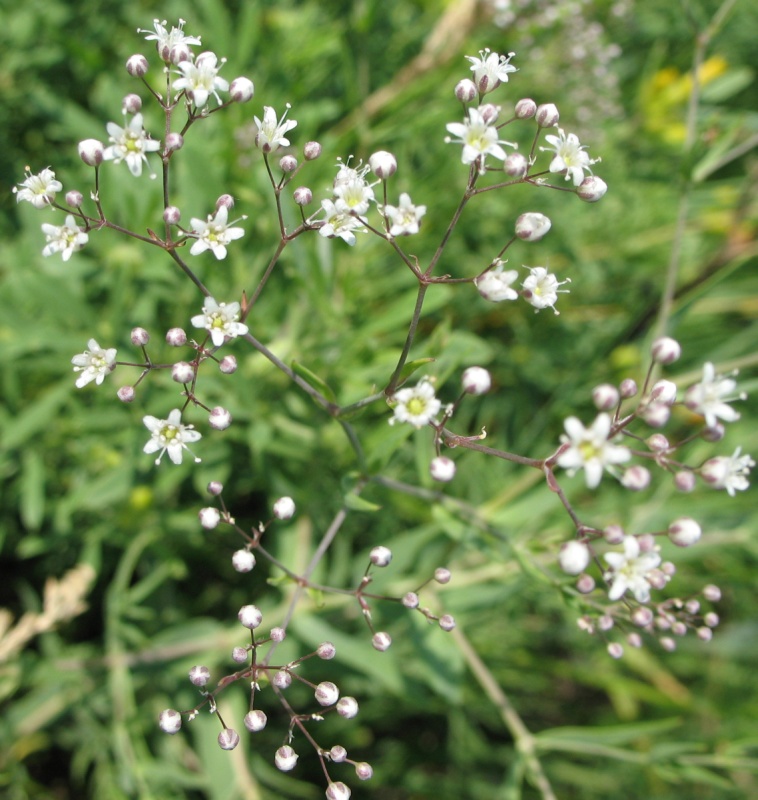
{"type": "Point", "coordinates": [570, 156]}
{"type": "Point", "coordinates": [340, 222]}
{"type": "Point", "coordinates": [590, 449]}
{"type": "Point", "coordinates": [478, 137]}
{"type": "Point", "coordinates": [169, 435]}
{"type": "Point", "coordinates": [220, 319]}
{"type": "Point", "coordinates": [200, 80]}
{"type": "Point", "coordinates": [728, 472]}
{"type": "Point", "coordinates": [94, 364]}
{"type": "Point", "coordinates": [495, 284]}
{"type": "Point", "coordinates": [64, 239]}
{"type": "Point", "coordinates": [711, 397]}
{"type": "Point", "coordinates": [630, 570]}
{"type": "Point", "coordinates": [541, 288]}
{"type": "Point", "coordinates": [272, 131]}
{"type": "Point", "coordinates": [214, 233]}
{"type": "Point", "coordinates": [39, 190]}
{"type": "Point", "coordinates": [404, 218]}
{"type": "Point", "coordinates": [416, 405]}
{"type": "Point", "coordinates": [167, 41]}
{"type": "Point", "coordinates": [131, 144]}
{"type": "Point", "coordinates": [490, 69]}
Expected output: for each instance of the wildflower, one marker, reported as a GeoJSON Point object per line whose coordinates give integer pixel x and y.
{"type": "Point", "coordinates": [630, 571]}
{"type": "Point", "coordinates": [130, 144]}
{"type": "Point", "coordinates": [64, 239]}
{"type": "Point", "coordinates": [711, 396]}
{"type": "Point", "coordinates": [570, 156]}
{"type": "Point", "coordinates": [200, 80]}
{"type": "Point", "coordinates": [94, 364]}
{"type": "Point", "coordinates": [728, 472]}
{"type": "Point", "coordinates": [39, 190]}
{"type": "Point", "coordinates": [339, 221]}
{"type": "Point", "coordinates": [541, 289]}
{"type": "Point", "coordinates": [169, 435]}
{"type": "Point", "coordinates": [495, 284]}
{"type": "Point", "coordinates": [271, 131]}
{"type": "Point", "coordinates": [417, 405]}
{"type": "Point", "coordinates": [478, 137]}
{"type": "Point", "coordinates": [590, 449]}
{"type": "Point", "coordinates": [404, 218]}
{"type": "Point", "coordinates": [169, 43]}
{"type": "Point", "coordinates": [214, 234]}
{"type": "Point", "coordinates": [221, 320]}
{"type": "Point", "coordinates": [490, 69]}
{"type": "Point", "coordinates": [356, 194]}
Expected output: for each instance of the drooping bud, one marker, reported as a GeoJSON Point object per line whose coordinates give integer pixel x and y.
{"type": "Point", "coordinates": [592, 189]}
{"type": "Point", "coordinates": [532, 226]}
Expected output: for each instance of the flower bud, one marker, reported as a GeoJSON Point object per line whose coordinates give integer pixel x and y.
{"type": "Point", "coordinates": [380, 556]}
{"type": "Point", "coordinates": [288, 163]}
{"type": "Point", "coordinates": [241, 90]}
{"type": "Point", "coordinates": [605, 622]}
{"type": "Point", "coordinates": [282, 679]}
{"type": "Point", "coordinates": [219, 419]}
{"type": "Point", "coordinates": [327, 693]}
{"type": "Point", "coordinates": [178, 53]}
{"type": "Point", "coordinates": [642, 616]}
{"type": "Point", "coordinates": [74, 198]}
{"type": "Point", "coordinates": [347, 707]}
{"type": "Point", "coordinates": [337, 790]}
{"type": "Point", "coordinates": [615, 650]}
{"type": "Point", "coordinates": [137, 65]}
{"type": "Point", "coordinates": [338, 754]}
{"type": "Point", "coordinates": [250, 616]}
{"type": "Point", "coordinates": [364, 770]}
{"type": "Point", "coordinates": [547, 115]}
{"type": "Point", "coordinates": [170, 721]}
{"type": "Point", "coordinates": [126, 394]}
{"type": "Point", "coordinates": [284, 508]}
{"type": "Point", "coordinates": [636, 478]}
{"type": "Point", "coordinates": [243, 561]}
{"type": "Point", "coordinates": [532, 226]}
{"type": "Point", "coordinates": [311, 151]}
{"type": "Point", "coordinates": [685, 482]}
{"type": "Point", "coordinates": [585, 584]}
{"type": "Point", "coordinates": [714, 434]}
{"type": "Point", "coordinates": [668, 644]}
{"type": "Point", "coordinates": [704, 634]}
{"type": "Point", "coordinates": [209, 517]}
{"type": "Point", "coordinates": [592, 189]}
{"type": "Point", "coordinates": [634, 640]}
{"type": "Point", "coordinates": [131, 104]}
{"type": "Point", "coordinates": [656, 415]}
{"type": "Point", "coordinates": [658, 443]}
{"type": "Point", "coordinates": [139, 337]}
{"type": "Point", "coordinates": [664, 392]}
{"type": "Point", "coordinates": [383, 164]}
{"type": "Point", "coordinates": [302, 195]}
{"type": "Point", "coordinates": [489, 113]}
{"type": "Point", "coordinates": [171, 215]}
{"type": "Point", "coordinates": [692, 606]}
{"type": "Point", "coordinates": [199, 675]}
{"type": "Point", "coordinates": [91, 152]}
{"type": "Point", "coordinates": [442, 575]}
{"type": "Point", "coordinates": [239, 655]}
{"type": "Point", "coordinates": [711, 619]}
{"type": "Point", "coordinates": [410, 600]}
{"type": "Point", "coordinates": [712, 593]}
{"type": "Point", "coordinates": [679, 628]}
{"type": "Point", "coordinates": [174, 141]}
{"type": "Point", "coordinates": [605, 397]}
{"type": "Point", "coordinates": [447, 622]}
{"type": "Point", "coordinates": [465, 90]}
{"type": "Point", "coordinates": [574, 557]}
{"type": "Point", "coordinates": [614, 534]}
{"type": "Point", "coordinates": [515, 165]}
{"type": "Point", "coordinates": [666, 350]}
{"type": "Point", "coordinates": [215, 488]}
{"type": "Point", "coordinates": [526, 108]}
{"type": "Point", "coordinates": [285, 758]}
{"type": "Point", "coordinates": [646, 542]}
{"type": "Point", "coordinates": [326, 651]}
{"type": "Point", "coordinates": [182, 372]}
{"type": "Point", "coordinates": [255, 721]}
{"type": "Point", "coordinates": [628, 388]}
{"type": "Point", "coordinates": [442, 469]}
{"type": "Point", "coordinates": [228, 365]}
{"type": "Point", "coordinates": [476, 380]}
{"type": "Point", "coordinates": [226, 201]}
{"type": "Point", "coordinates": [381, 641]}
{"type": "Point", "coordinates": [176, 337]}
{"type": "Point", "coordinates": [278, 635]}
{"type": "Point", "coordinates": [684, 531]}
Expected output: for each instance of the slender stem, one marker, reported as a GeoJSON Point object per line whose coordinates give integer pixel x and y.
{"type": "Point", "coordinates": [395, 379]}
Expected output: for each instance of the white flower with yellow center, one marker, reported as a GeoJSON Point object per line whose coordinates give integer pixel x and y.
{"type": "Point", "coordinates": [541, 289]}
{"type": "Point", "coordinates": [64, 239]}
{"type": "Point", "coordinates": [214, 234]}
{"type": "Point", "coordinates": [200, 80]}
{"type": "Point", "coordinates": [630, 570]}
{"type": "Point", "coordinates": [94, 364]}
{"type": "Point", "coordinates": [170, 436]}
{"type": "Point", "coordinates": [417, 405]}
{"type": "Point", "coordinates": [272, 131]}
{"type": "Point", "coordinates": [590, 449]}
{"type": "Point", "coordinates": [569, 156]}
{"type": "Point", "coordinates": [220, 320]}
{"type": "Point", "coordinates": [404, 217]}
{"type": "Point", "coordinates": [711, 397]}
{"type": "Point", "coordinates": [131, 144]}
{"type": "Point", "coordinates": [478, 137]}
{"type": "Point", "coordinates": [39, 190]}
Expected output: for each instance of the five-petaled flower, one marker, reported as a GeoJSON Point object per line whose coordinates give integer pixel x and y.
{"type": "Point", "coordinates": [416, 405]}
{"type": "Point", "coordinates": [490, 69]}
{"type": "Point", "coordinates": [728, 472]}
{"type": "Point", "coordinates": [167, 42]}
{"type": "Point", "coordinates": [404, 217]}
{"type": "Point", "coordinates": [64, 239]}
{"type": "Point", "coordinates": [590, 448]}
{"type": "Point", "coordinates": [495, 284]}
{"type": "Point", "coordinates": [339, 221]}
{"type": "Point", "coordinates": [200, 80]}
{"type": "Point", "coordinates": [630, 571]}
{"type": "Point", "coordinates": [39, 190]}
{"type": "Point", "coordinates": [541, 289]}
{"type": "Point", "coordinates": [214, 234]}
{"type": "Point", "coordinates": [711, 397]}
{"type": "Point", "coordinates": [169, 435]}
{"type": "Point", "coordinates": [131, 144]}
{"type": "Point", "coordinates": [220, 319]}
{"type": "Point", "coordinates": [570, 156]}
{"type": "Point", "coordinates": [272, 131]}
{"type": "Point", "coordinates": [94, 364]}
{"type": "Point", "coordinates": [478, 137]}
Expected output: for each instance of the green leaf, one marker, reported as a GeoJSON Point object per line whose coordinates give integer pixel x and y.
{"type": "Point", "coordinates": [313, 380]}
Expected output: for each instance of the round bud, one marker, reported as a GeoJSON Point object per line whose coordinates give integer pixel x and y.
{"type": "Point", "coordinates": [656, 415]}
{"type": "Point", "coordinates": [605, 397]}
{"type": "Point", "coordinates": [668, 568]}
{"type": "Point", "coordinates": [215, 488]}
{"type": "Point", "coordinates": [241, 90]}
{"type": "Point", "coordinates": [327, 693]}
{"type": "Point", "coordinates": [139, 336]}
{"type": "Point", "coordinates": [380, 556]}
{"type": "Point", "coordinates": [711, 619]}
{"type": "Point", "coordinates": [447, 622]}
{"type": "Point", "coordinates": [646, 542]}
{"type": "Point", "coordinates": [668, 644]}
{"type": "Point", "coordinates": [636, 478]}
{"type": "Point", "coordinates": [442, 575]}
{"type": "Point", "coordinates": [131, 104]}
{"type": "Point", "coordinates": [178, 53]}
{"type": "Point", "coordinates": [225, 201]}
{"type": "Point", "coordinates": [515, 165]}
{"type": "Point", "coordinates": [243, 561]}
{"type": "Point", "coordinates": [239, 655]}
{"type": "Point", "coordinates": [171, 215]}
{"type": "Point", "coordinates": [585, 584]}
{"type": "Point", "coordinates": [628, 388]}
{"type": "Point", "coordinates": [302, 195]}
{"type": "Point", "coordinates": [692, 606]}
{"type": "Point", "coordinates": [634, 640]}
{"type": "Point", "coordinates": [526, 108]}
{"type": "Point", "coordinates": [615, 650]}
{"type": "Point", "coordinates": [282, 679]}
{"type": "Point", "coordinates": [442, 469]}
{"type": "Point", "coordinates": [662, 623]}
{"type": "Point", "coordinates": [284, 508]}
{"type": "Point", "coordinates": [476, 380]}
{"type": "Point", "coordinates": [658, 443]}
{"type": "Point", "coordinates": [174, 141]}
{"type": "Point", "coordinates": [679, 628]}
{"type": "Point", "coordinates": [574, 557]}
{"type": "Point", "coordinates": [489, 113]}
{"type": "Point", "coordinates": [410, 600]}
{"type": "Point", "coordinates": [591, 189]}
{"type": "Point", "coordinates": [326, 651]}
{"type": "Point", "coordinates": [91, 152]}
{"type": "Point", "coordinates": [704, 634]}
{"type": "Point", "coordinates": [465, 90]}
{"type": "Point", "coordinates": [712, 593]}
{"type": "Point", "coordinates": [684, 531]}
{"type": "Point", "coordinates": [182, 372]}
{"type": "Point", "coordinates": [311, 151]}
{"type": "Point", "coordinates": [383, 164]}
{"type": "Point", "coordinates": [255, 721]}
{"type": "Point", "coordinates": [228, 365]}
{"type": "Point", "coordinates": [278, 635]}
{"type": "Point", "coordinates": [250, 616]}
{"type": "Point", "coordinates": [614, 534]}
{"type": "Point", "coordinates": [176, 337]}
{"type": "Point", "coordinates": [170, 721]}
{"type": "Point", "coordinates": [137, 65]}
{"type": "Point", "coordinates": [714, 434]}
{"type": "Point", "coordinates": [666, 350]}
{"type": "Point", "coordinates": [642, 616]}
{"type": "Point", "coordinates": [74, 198]}
{"type": "Point", "coordinates": [199, 675]}
{"type": "Point", "coordinates": [285, 758]}
{"type": "Point", "coordinates": [605, 622]}
{"type": "Point", "coordinates": [364, 770]}
{"type": "Point", "coordinates": [288, 163]}
{"type": "Point", "coordinates": [532, 226]}
{"type": "Point", "coordinates": [337, 791]}
{"type": "Point", "coordinates": [338, 754]}
{"type": "Point", "coordinates": [381, 641]}
{"type": "Point", "coordinates": [664, 392]}
{"type": "Point", "coordinates": [126, 394]}
{"type": "Point", "coordinates": [547, 115]}
{"type": "Point", "coordinates": [347, 707]}
{"type": "Point", "coordinates": [209, 517]}
{"type": "Point", "coordinates": [219, 419]}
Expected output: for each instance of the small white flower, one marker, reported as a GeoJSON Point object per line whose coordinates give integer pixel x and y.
{"type": "Point", "coordinates": [417, 405]}
{"type": "Point", "coordinates": [214, 234]}
{"type": "Point", "coordinates": [64, 239]}
{"type": "Point", "coordinates": [39, 190]}
{"type": "Point", "coordinates": [541, 289]}
{"type": "Point", "coordinates": [728, 472]}
{"type": "Point", "coordinates": [403, 218]}
{"type": "Point", "coordinates": [221, 320]}
{"type": "Point", "coordinates": [478, 137]}
{"type": "Point", "coordinates": [272, 131]}
{"type": "Point", "coordinates": [630, 571]}
{"type": "Point", "coordinates": [590, 448]}
{"type": "Point", "coordinates": [340, 222]}
{"type": "Point", "coordinates": [355, 194]}
{"type": "Point", "coordinates": [200, 80]}
{"type": "Point", "coordinates": [166, 41]}
{"type": "Point", "coordinates": [495, 284]}
{"type": "Point", "coordinates": [169, 435]}
{"type": "Point", "coordinates": [94, 364]}
{"type": "Point", "coordinates": [490, 69]}
{"type": "Point", "coordinates": [711, 396]}
{"type": "Point", "coordinates": [130, 144]}
{"type": "Point", "coordinates": [570, 156]}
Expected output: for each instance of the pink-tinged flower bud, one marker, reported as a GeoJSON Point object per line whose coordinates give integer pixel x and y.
{"type": "Point", "coordinates": [442, 575]}
{"type": "Point", "coordinates": [255, 721]}
{"type": "Point", "coordinates": [526, 108]}
{"type": "Point", "coordinates": [410, 600]}
{"type": "Point", "coordinates": [714, 434]}
{"type": "Point", "coordinates": [380, 556]}
{"type": "Point", "coordinates": [338, 753]}
{"type": "Point", "coordinates": [215, 488]}
{"type": "Point", "coordinates": [668, 644]}
{"type": "Point", "coordinates": [662, 623]}
{"type": "Point", "coordinates": [288, 164]}
{"type": "Point", "coordinates": [285, 758]}
{"type": "Point", "coordinates": [666, 350]}
{"type": "Point", "coordinates": [250, 616]}
{"type": "Point", "coordinates": [182, 372]}
{"type": "Point", "coordinates": [228, 365]}
{"type": "Point", "coordinates": [241, 90]}
{"type": "Point", "coordinates": [646, 542]}
{"type": "Point", "coordinates": [172, 215]}
{"type": "Point", "coordinates": [664, 392]}
{"type": "Point", "coordinates": [326, 651]}
{"type": "Point", "coordinates": [642, 616]}
{"type": "Point", "coordinates": [489, 113]}
{"type": "Point", "coordinates": [364, 770]}
{"type": "Point", "coordinates": [219, 419]}
{"type": "Point", "coordinates": [658, 443]}
{"type": "Point", "coordinates": [585, 584]}
{"type": "Point", "coordinates": [547, 115]}
{"type": "Point", "coordinates": [311, 151]}
{"type": "Point", "coordinates": [447, 622]}
{"type": "Point", "coordinates": [656, 415]}
{"type": "Point", "coordinates": [239, 655]}
{"type": "Point", "coordinates": [91, 152]}
{"type": "Point", "coordinates": [209, 517]}
{"type": "Point", "coordinates": [284, 508]}
{"type": "Point", "coordinates": [442, 469]}
{"type": "Point", "coordinates": [383, 164]}
{"type": "Point", "coordinates": [634, 640]}
{"type": "Point", "coordinates": [126, 394]}
{"type": "Point", "coordinates": [278, 635]}
{"type": "Point", "coordinates": [176, 337]}
{"type": "Point", "coordinates": [592, 189]}
{"type": "Point", "coordinates": [712, 593]}
{"type": "Point", "coordinates": [615, 650]}
{"type": "Point", "coordinates": [679, 629]}
{"type": "Point", "coordinates": [614, 534]}
{"type": "Point", "coordinates": [327, 693]}
{"type": "Point", "coordinates": [574, 557]}
{"type": "Point", "coordinates": [704, 634]}
{"type": "Point", "coordinates": [225, 201]}
{"type": "Point", "coordinates": [711, 619]}
{"type": "Point", "coordinates": [381, 641]}
{"type": "Point", "coordinates": [668, 568]}
{"type": "Point", "coordinates": [476, 380]}
{"type": "Point", "coordinates": [174, 141]}
{"type": "Point", "coordinates": [684, 531]}
{"type": "Point", "coordinates": [282, 679]}
{"type": "Point", "coordinates": [199, 675]}
{"type": "Point", "coordinates": [605, 622]}
{"type": "Point", "coordinates": [685, 482]}
{"type": "Point", "coordinates": [465, 90]}
{"type": "Point", "coordinates": [139, 336]}
{"type": "Point", "coordinates": [605, 397]}
{"type": "Point", "coordinates": [302, 195]}
{"type": "Point", "coordinates": [515, 165]}
{"type": "Point", "coordinates": [532, 226]}
{"type": "Point", "coordinates": [347, 707]}
{"type": "Point", "coordinates": [74, 198]}
{"type": "Point", "coordinates": [243, 561]}
{"type": "Point", "coordinates": [636, 478]}
{"type": "Point", "coordinates": [170, 721]}
{"type": "Point", "coordinates": [628, 388]}
{"type": "Point", "coordinates": [337, 791]}
{"type": "Point", "coordinates": [137, 65]}
{"type": "Point", "coordinates": [178, 53]}
{"type": "Point", "coordinates": [131, 104]}
{"type": "Point", "coordinates": [692, 606]}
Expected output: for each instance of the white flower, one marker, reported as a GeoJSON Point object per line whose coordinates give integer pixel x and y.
{"type": "Point", "coordinates": [39, 190]}
{"type": "Point", "coordinates": [728, 472]}
{"type": "Point", "coordinates": [495, 285]}
{"type": "Point", "coordinates": [356, 194]}
{"type": "Point", "coordinates": [200, 80]}
{"type": "Point", "coordinates": [711, 396]}
{"type": "Point", "coordinates": [214, 234]}
{"type": "Point", "coordinates": [490, 69]}
{"type": "Point", "coordinates": [94, 364]}
{"type": "Point", "coordinates": [417, 405]}
{"type": "Point", "coordinates": [570, 156]}
{"type": "Point", "coordinates": [339, 221]}
{"type": "Point", "coordinates": [221, 320]}
{"type": "Point", "coordinates": [404, 218]}
{"type": "Point", "coordinates": [590, 448]}
{"type": "Point", "coordinates": [130, 144]}
{"type": "Point", "coordinates": [64, 239]}
{"type": "Point", "coordinates": [478, 137]}
{"type": "Point", "coordinates": [630, 570]}
{"type": "Point", "coordinates": [541, 288]}
{"type": "Point", "coordinates": [169, 435]}
{"type": "Point", "coordinates": [166, 41]}
{"type": "Point", "coordinates": [271, 132]}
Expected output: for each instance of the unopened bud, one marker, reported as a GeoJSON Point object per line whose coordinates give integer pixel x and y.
{"type": "Point", "coordinates": [91, 152]}
{"type": "Point", "coordinates": [228, 365]}
{"type": "Point", "coordinates": [383, 164]}
{"type": "Point", "coordinates": [241, 90]}
{"type": "Point", "coordinates": [288, 163]}
{"type": "Point", "coordinates": [219, 419]}
{"type": "Point", "coordinates": [547, 115]}
{"type": "Point", "coordinates": [176, 337]}
{"type": "Point", "coordinates": [526, 108]}
{"type": "Point", "coordinates": [592, 189]}
{"type": "Point", "coordinates": [74, 198]}
{"type": "Point", "coordinates": [442, 469]}
{"type": "Point", "coordinates": [302, 195]}
{"type": "Point", "coordinates": [666, 350]}
{"type": "Point", "coordinates": [684, 531]}
{"type": "Point", "coordinates": [532, 226]}
{"type": "Point", "coordinates": [311, 151]}
{"type": "Point", "coordinates": [476, 380]}
{"type": "Point", "coordinates": [174, 141]}
{"type": "Point", "coordinates": [574, 557]}
{"type": "Point", "coordinates": [209, 517]}
{"type": "Point", "coordinates": [243, 561]}
{"type": "Point", "coordinates": [137, 65]}
{"type": "Point", "coordinates": [381, 641]}
{"type": "Point", "coordinates": [465, 90]}
{"type": "Point", "coordinates": [284, 508]}
{"type": "Point", "coordinates": [515, 165]}
{"type": "Point", "coordinates": [605, 397]}
{"type": "Point", "coordinates": [628, 388]}
{"type": "Point", "coordinates": [131, 104]}
{"type": "Point", "coordinates": [182, 372]}
{"type": "Point", "coordinates": [126, 394]}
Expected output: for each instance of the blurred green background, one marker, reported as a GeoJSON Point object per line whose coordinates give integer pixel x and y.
{"type": "Point", "coordinates": [80, 700]}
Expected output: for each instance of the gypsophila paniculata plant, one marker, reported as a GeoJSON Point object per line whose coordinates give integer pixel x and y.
{"type": "Point", "coordinates": [617, 575]}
